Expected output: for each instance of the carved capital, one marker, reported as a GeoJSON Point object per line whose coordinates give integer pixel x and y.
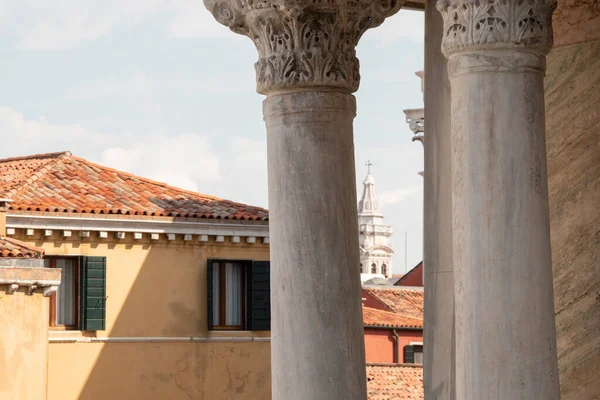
{"type": "Point", "coordinates": [482, 25]}
{"type": "Point", "coordinates": [304, 43]}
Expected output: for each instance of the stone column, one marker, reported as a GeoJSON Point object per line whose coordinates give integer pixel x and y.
{"type": "Point", "coordinates": [308, 70]}
{"type": "Point", "coordinates": [438, 338]}
{"type": "Point", "coordinates": [505, 332]}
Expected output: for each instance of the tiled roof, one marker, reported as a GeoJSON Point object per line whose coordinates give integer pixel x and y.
{"type": "Point", "coordinates": [399, 299]}
{"type": "Point", "coordinates": [375, 317]}
{"type": "Point", "coordinates": [60, 182]}
{"type": "Point", "coordinates": [395, 382]}
{"type": "Point", "coordinates": [12, 248]}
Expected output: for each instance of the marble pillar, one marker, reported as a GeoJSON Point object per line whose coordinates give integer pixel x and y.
{"type": "Point", "coordinates": [505, 332]}
{"type": "Point", "coordinates": [308, 70]}
{"type": "Point", "coordinates": [438, 337]}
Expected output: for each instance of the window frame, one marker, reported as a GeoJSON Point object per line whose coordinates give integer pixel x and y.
{"type": "Point", "coordinates": [76, 290]}
{"type": "Point", "coordinates": [417, 348]}
{"type": "Point", "coordinates": [223, 295]}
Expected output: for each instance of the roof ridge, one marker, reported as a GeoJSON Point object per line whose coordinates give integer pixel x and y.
{"type": "Point", "coordinates": [141, 178]}
{"type": "Point", "coordinates": [163, 184]}
{"type": "Point", "coordinates": [55, 154]}
{"type": "Point", "coordinates": [394, 365]}
{"type": "Point", "coordinates": [394, 288]}
{"type": "Point", "coordinates": [38, 173]}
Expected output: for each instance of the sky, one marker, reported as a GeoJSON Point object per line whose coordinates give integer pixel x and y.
{"type": "Point", "coordinates": [159, 89]}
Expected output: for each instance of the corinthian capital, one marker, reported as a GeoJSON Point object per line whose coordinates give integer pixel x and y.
{"type": "Point", "coordinates": [304, 43]}
{"type": "Point", "coordinates": [479, 25]}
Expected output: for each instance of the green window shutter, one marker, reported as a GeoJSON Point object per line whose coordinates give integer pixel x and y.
{"type": "Point", "coordinates": [92, 310]}
{"type": "Point", "coordinates": [210, 294]}
{"type": "Point", "coordinates": [409, 354]}
{"type": "Point", "coordinates": [259, 297]}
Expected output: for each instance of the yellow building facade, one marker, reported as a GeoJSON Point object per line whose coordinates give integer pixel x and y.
{"type": "Point", "coordinates": [130, 319]}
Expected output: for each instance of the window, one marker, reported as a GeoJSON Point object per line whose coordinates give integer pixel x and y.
{"type": "Point", "coordinates": [228, 289]}
{"type": "Point", "coordinates": [63, 303]}
{"type": "Point", "coordinates": [384, 269]}
{"type": "Point", "coordinates": [80, 301]}
{"type": "Point", "coordinates": [238, 295]}
{"type": "Point", "coordinates": [413, 354]}
{"type": "Point", "coordinates": [373, 268]}
{"type": "Point", "coordinates": [361, 268]}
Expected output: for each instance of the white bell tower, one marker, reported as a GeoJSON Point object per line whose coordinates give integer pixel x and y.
{"type": "Point", "coordinates": [374, 237]}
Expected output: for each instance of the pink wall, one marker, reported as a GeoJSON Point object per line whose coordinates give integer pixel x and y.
{"type": "Point", "coordinates": [379, 344]}
{"type": "Point", "coordinates": [413, 278]}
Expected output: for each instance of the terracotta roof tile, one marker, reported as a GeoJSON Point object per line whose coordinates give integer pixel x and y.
{"type": "Point", "coordinates": [375, 317]}
{"type": "Point", "coordinates": [398, 299]}
{"type": "Point", "coordinates": [60, 182]}
{"type": "Point", "coordinates": [395, 382]}
{"type": "Point", "coordinates": [12, 248]}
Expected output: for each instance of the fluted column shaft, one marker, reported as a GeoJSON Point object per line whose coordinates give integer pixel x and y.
{"type": "Point", "coordinates": [505, 332]}
{"type": "Point", "coordinates": [307, 68]}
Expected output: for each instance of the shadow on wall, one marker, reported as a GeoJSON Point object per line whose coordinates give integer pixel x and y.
{"type": "Point", "coordinates": [155, 290]}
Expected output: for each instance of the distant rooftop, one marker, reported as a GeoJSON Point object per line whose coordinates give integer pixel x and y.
{"type": "Point", "coordinates": [61, 182]}
{"type": "Point", "coordinates": [395, 382]}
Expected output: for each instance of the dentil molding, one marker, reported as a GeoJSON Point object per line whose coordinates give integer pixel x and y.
{"type": "Point", "coordinates": [304, 43]}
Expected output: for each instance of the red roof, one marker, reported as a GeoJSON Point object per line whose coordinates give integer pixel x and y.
{"type": "Point", "coordinates": [395, 382]}
{"type": "Point", "coordinates": [12, 248]}
{"type": "Point", "coordinates": [375, 317]}
{"type": "Point", "coordinates": [60, 182]}
{"type": "Point", "coordinates": [398, 299]}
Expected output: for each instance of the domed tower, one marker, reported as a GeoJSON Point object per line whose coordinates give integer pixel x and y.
{"type": "Point", "coordinates": [374, 237]}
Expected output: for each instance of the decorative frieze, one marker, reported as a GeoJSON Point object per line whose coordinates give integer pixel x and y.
{"type": "Point", "coordinates": [479, 25]}
{"type": "Point", "coordinates": [304, 43]}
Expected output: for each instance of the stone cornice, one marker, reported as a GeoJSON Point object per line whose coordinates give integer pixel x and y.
{"type": "Point", "coordinates": [304, 44]}
{"type": "Point", "coordinates": [31, 278]}
{"type": "Point", "coordinates": [481, 25]}
{"type": "Point", "coordinates": [160, 226]}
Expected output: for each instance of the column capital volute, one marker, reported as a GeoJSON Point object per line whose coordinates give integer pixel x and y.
{"type": "Point", "coordinates": [304, 44]}
{"type": "Point", "coordinates": [472, 26]}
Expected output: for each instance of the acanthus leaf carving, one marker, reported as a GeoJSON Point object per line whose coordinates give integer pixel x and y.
{"type": "Point", "coordinates": [471, 25]}
{"type": "Point", "coordinates": [304, 43]}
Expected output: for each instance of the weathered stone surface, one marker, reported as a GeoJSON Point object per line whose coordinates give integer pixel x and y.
{"type": "Point", "coordinates": [573, 148]}
{"type": "Point", "coordinates": [317, 346]}
{"type": "Point", "coordinates": [304, 43]}
{"type": "Point", "coordinates": [439, 356]}
{"type": "Point", "coordinates": [504, 311]}
{"type": "Point", "coordinates": [576, 21]}
{"type": "Point", "coordinates": [496, 24]}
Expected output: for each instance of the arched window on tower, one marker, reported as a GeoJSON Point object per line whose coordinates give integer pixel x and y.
{"type": "Point", "coordinates": [373, 268]}
{"type": "Point", "coordinates": [361, 268]}
{"type": "Point", "coordinates": [384, 269]}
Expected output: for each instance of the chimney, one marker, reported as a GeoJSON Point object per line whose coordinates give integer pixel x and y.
{"type": "Point", "coordinates": [3, 209]}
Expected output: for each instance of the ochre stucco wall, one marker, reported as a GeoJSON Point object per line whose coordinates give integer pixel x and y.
{"type": "Point", "coordinates": [573, 147]}
{"type": "Point", "coordinates": [156, 289]}
{"type": "Point", "coordinates": [148, 371]}
{"type": "Point", "coordinates": [23, 345]}
{"type": "Point", "coordinates": [380, 344]}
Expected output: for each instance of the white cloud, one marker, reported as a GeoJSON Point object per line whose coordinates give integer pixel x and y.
{"type": "Point", "coordinates": [48, 25]}
{"type": "Point", "coordinates": [180, 161]}
{"type": "Point", "coordinates": [42, 25]}
{"type": "Point", "coordinates": [41, 136]}
{"type": "Point", "coordinates": [130, 83]}
{"type": "Point", "coordinates": [406, 25]}
{"type": "Point", "coordinates": [193, 20]}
